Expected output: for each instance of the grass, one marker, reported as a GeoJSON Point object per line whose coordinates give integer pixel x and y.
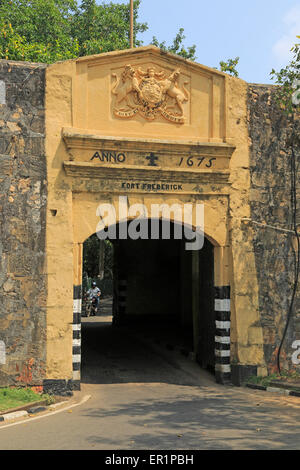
{"type": "Point", "coordinates": [264, 381]}
{"type": "Point", "coordinates": [15, 397]}
{"type": "Point", "coordinates": [285, 376]}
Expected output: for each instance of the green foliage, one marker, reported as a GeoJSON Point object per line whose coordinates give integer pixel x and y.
{"type": "Point", "coordinates": [230, 66]}
{"type": "Point", "coordinates": [177, 46]}
{"type": "Point", "coordinates": [288, 83]}
{"type": "Point", "coordinates": [91, 256]}
{"type": "Point", "coordinates": [91, 249]}
{"type": "Point", "coordinates": [37, 30]}
{"type": "Point", "coordinates": [284, 377]}
{"type": "Point", "coordinates": [49, 399]}
{"type": "Point", "coordinates": [108, 260]}
{"type": "Point", "coordinates": [15, 397]}
{"type": "Point", "coordinates": [51, 30]}
{"type": "Point", "coordinates": [105, 27]}
{"type": "Point", "coordinates": [262, 380]}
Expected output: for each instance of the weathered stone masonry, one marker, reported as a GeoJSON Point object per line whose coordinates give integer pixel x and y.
{"type": "Point", "coordinates": [270, 202]}
{"type": "Point", "coordinates": [23, 191]}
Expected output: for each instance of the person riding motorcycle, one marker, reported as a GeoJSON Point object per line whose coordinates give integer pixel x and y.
{"type": "Point", "coordinates": [94, 293]}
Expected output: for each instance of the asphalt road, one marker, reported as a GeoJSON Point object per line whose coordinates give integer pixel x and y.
{"type": "Point", "coordinates": [141, 399]}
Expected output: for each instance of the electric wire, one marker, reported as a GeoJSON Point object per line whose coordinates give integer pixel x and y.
{"type": "Point", "coordinates": [294, 223]}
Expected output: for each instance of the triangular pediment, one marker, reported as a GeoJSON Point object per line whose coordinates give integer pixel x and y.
{"type": "Point", "coordinates": [153, 53]}
{"type": "Point", "coordinates": [147, 92]}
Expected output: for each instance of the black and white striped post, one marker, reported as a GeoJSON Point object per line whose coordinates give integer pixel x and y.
{"type": "Point", "coordinates": [76, 344]}
{"type": "Point", "coordinates": [222, 335]}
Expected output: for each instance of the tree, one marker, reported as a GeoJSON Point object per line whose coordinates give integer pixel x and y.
{"type": "Point", "coordinates": [230, 66]}
{"type": "Point", "coordinates": [177, 46]}
{"type": "Point", "coordinates": [91, 257]}
{"type": "Point", "coordinates": [104, 28]}
{"type": "Point", "coordinates": [288, 81]}
{"type": "Point", "coordinates": [52, 30]}
{"type": "Point", "coordinates": [37, 30]}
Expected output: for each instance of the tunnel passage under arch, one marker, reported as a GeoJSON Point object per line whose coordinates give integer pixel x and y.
{"type": "Point", "coordinates": [158, 285]}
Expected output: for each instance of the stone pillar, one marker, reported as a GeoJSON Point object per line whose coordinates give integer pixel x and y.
{"type": "Point", "coordinates": [77, 305]}
{"type": "Point", "coordinates": [222, 316]}
{"type": "Point", "coordinates": [222, 336]}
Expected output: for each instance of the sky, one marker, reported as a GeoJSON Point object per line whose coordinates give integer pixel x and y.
{"type": "Point", "coordinates": [259, 32]}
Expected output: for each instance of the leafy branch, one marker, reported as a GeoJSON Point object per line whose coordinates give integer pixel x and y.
{"type": "Point", "coordinates": [177, 46]}
{"type": "Point", "coordinates": [230, 66]}
{"type": "Point", "coordinates": [288, 80]}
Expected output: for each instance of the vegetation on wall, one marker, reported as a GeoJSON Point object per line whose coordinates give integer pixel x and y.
{"type": "Point", "coordinates": [229, 66]}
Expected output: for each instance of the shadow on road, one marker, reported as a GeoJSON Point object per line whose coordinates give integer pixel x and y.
{"type": "Point", "coordinates": [116, 354]}
{"type": "Point", "coordinates": [193, 420]}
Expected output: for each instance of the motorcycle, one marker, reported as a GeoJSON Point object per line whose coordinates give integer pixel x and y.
{"type": "Point", "coordinates": [91, 307]}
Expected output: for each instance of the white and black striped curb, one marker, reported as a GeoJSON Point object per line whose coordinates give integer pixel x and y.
{"type": "Point", "coordinates": [14, 415]}
{"type": "Point", "coordinates": [29, 411]}
{"type": "Point", "coordinates": [278, 390]}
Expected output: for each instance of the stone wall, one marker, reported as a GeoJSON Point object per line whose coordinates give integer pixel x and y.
{"type": "Point", "coordinates": [270, 199]}
{"type": "Point", "coordinates": [23, 192]}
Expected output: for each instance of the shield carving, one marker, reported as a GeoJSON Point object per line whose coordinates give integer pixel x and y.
{"type": "Point", "coordinates": [146, 93]}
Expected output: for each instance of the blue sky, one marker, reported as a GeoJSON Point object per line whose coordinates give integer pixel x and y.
{"type": "Point", "coordinates": [260, 32]}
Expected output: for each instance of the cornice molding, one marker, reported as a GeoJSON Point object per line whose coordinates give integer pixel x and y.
{"type": "Point", "coordinates": [78, 139]}
{"type": "Point", "coordinates": [106, 171]}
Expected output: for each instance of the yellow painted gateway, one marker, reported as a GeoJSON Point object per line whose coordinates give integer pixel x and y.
{"type": "Point", "coordinates": [157, 129]}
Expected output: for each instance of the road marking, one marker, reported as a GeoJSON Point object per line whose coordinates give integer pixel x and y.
{"type": "Point", "coordinates": [50, 413]}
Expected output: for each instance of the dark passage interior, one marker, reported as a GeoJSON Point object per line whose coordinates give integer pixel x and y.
{"type": "Point", "coordinates": [164, 292]}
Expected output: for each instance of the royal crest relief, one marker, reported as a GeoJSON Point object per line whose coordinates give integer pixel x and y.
{"type": "Point", "coordinates": [150, 94]}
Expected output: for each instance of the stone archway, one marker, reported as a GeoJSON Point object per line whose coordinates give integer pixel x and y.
{"type": "Point", "coordinates": [215, 319]}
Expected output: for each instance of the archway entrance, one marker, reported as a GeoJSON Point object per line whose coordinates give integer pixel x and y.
{"type": "Point", "coordinates": [160, 290]}
{"type": "Point", "coordinates": [98, 154]}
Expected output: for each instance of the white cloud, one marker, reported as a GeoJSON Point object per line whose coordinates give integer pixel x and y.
{"type": "Point", "coordinates": [282, 48]}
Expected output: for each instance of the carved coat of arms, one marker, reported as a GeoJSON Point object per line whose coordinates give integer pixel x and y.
{"type": "Point", "coordinates": [150, 94]}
